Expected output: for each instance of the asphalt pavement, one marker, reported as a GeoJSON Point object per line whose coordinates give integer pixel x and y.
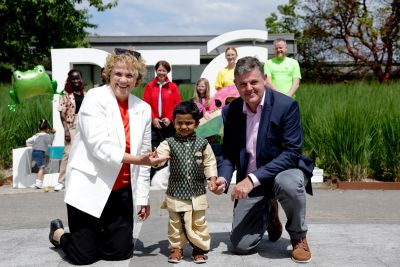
{"type": "Point", "coordinates": [346, 228]}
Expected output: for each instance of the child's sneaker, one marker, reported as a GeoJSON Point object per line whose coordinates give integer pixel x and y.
{"type": "Point", "coordinates": [175, 255]}
{"type": "Point", "coordinates": [59, 186]}
{"type": "Point", "coordinates": [199, 256]}
{"type": "Point", "coordinates": [38, 184]}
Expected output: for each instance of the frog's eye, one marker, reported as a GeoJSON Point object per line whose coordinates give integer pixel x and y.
{"type": "Point", "coordinates": [19, 76]}
{"type": "Point", "coordinates": [40, 70]}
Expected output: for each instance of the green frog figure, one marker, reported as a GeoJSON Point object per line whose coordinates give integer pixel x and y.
{"type": "Point", "coordinates": [31, 83]}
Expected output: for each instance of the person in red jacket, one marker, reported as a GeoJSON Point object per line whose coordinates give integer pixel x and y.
{"type": "Point", "coordinates": [162, 95]}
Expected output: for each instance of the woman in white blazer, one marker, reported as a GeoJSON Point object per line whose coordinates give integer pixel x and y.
{"type": "Point", "coordinates": [108, 169]}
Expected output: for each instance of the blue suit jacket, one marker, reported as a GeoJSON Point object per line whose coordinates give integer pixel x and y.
{"type": "Point", "coordinates": [279, 142]}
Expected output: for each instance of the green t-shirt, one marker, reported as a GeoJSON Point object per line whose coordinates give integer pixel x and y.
{"type": "Point", "coordinates": [282, 72]}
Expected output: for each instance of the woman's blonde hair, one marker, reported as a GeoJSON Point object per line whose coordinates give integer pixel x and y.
{"type": "Point", "coordinates": [196, 95]}
{"type": "Point", "coordinates": [133, 60]}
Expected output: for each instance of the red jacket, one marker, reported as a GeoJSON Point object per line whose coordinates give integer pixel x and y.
{"type": "Point", "coordinates": [170, 98]}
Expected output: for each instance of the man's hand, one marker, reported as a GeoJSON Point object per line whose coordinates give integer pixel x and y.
{"type": "Point", "coordinates": [242, 189]}
{"type": "Point", "coordinates": [220, 186]}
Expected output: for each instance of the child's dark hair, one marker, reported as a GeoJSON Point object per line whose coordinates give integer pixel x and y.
{"type": "Point", "coordinates": [188, 107]}
{"type": "Point", "coordinates": [44, 125]}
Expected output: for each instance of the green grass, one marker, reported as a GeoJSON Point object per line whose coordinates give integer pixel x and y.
{"type": "Point", "coordinates": [352, 131]}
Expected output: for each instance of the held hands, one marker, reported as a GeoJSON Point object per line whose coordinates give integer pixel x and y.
{"type": "Point", "coordinates": [212, 186]}
{"type": "Point", "coordinates": [144, 212]}
{"type": "Point", "coordinates": [152, 159]}
{"type": "Point", "coordinates": [242, 189]}
{"type": "Point", "coordinates": [219, 186]}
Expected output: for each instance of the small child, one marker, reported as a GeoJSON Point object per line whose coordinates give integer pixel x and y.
{"type": "Point", "coordinates": [192, 163]}
{"type": "Point", "coordinates": [40, 143]}
{"type": "Point", "coordinates": [202, 96]}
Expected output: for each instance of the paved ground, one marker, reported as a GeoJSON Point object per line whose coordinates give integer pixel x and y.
{"type": "Point", "coordinates": [346, 228]}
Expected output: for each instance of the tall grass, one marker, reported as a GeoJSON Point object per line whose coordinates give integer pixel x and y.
{"type": "Point", "coordinates": [353, 130]}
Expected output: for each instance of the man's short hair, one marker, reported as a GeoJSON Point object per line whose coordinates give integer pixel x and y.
{"type": "Point", "coordinates": [247, 64]}
{"type": "Point", "coordinates": [277, 40]}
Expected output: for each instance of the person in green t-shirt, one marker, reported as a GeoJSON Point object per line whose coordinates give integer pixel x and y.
{"type": "Point", "coordinates": [283, 73]}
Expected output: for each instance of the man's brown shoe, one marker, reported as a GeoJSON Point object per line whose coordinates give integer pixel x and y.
{"type": "Point", "coordinates": [274, 228]}
{"type": "Point", "coordinates": [175, 255]}
{"type": "Point", "coordinates": [301, 252]}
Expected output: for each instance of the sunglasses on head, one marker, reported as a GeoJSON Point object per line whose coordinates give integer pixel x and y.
{"type": "Point", "coordinates": [121, 51]}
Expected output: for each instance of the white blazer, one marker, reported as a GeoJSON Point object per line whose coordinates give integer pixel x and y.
{"type": "Point", "coordinates": [98, 149]}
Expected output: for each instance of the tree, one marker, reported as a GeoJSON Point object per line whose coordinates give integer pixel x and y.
{"type": "Point", "coordinates": [30, 28]}
{"type": "Point", "coordinates": [309, 40]}
{"type": "Point", "coordinates": [364, 31]}
{"type": "Point", "coordinates": [287, 21]}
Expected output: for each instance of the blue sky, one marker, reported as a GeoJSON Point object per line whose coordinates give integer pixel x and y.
{"type": "Point", "coordinates": [182, 17]}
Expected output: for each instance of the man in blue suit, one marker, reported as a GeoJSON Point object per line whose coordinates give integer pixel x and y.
{"type": "Point", "coordinates": [262, 142]}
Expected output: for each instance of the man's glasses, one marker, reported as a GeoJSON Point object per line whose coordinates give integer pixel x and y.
{"type": "Point", "coordinates": [121, 51]}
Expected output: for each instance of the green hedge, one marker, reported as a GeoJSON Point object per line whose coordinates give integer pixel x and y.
{"type": "Point", "coordinates": [352, 131]}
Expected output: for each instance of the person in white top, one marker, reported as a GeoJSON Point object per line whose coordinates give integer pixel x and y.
{"type": "Point", "coordinates": [107, 180]}
{"type": "Point", "coordinates": [40, 143]}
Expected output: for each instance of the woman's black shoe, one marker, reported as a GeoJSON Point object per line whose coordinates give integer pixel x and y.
{"type": "Point", "coordinates": [55, 225]}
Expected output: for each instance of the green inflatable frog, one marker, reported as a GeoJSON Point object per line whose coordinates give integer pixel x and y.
{"type": "Point", "coordinates": [31, 83]}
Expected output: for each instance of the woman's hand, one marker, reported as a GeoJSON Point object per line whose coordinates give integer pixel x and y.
{"type": "Point", "coordinates": [144, 212]}
{"type": "Point", "coordinates": [166, 121]}
{"type": "Point", "coordinates": [148, 159]}
{"type": "Point", "coordinates": [156, 123]}
{"type": "Point", "coordinates": [67, 135]}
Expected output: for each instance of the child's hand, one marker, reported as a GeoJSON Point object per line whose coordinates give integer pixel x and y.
{"type": "Point", "coordinates": [154, 153]}
{"type": "Point", "coordinates": [212, 186]}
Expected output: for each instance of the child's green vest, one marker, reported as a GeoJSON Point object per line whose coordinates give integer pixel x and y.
{"type": "Point", "coordinates": [187, 177]}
